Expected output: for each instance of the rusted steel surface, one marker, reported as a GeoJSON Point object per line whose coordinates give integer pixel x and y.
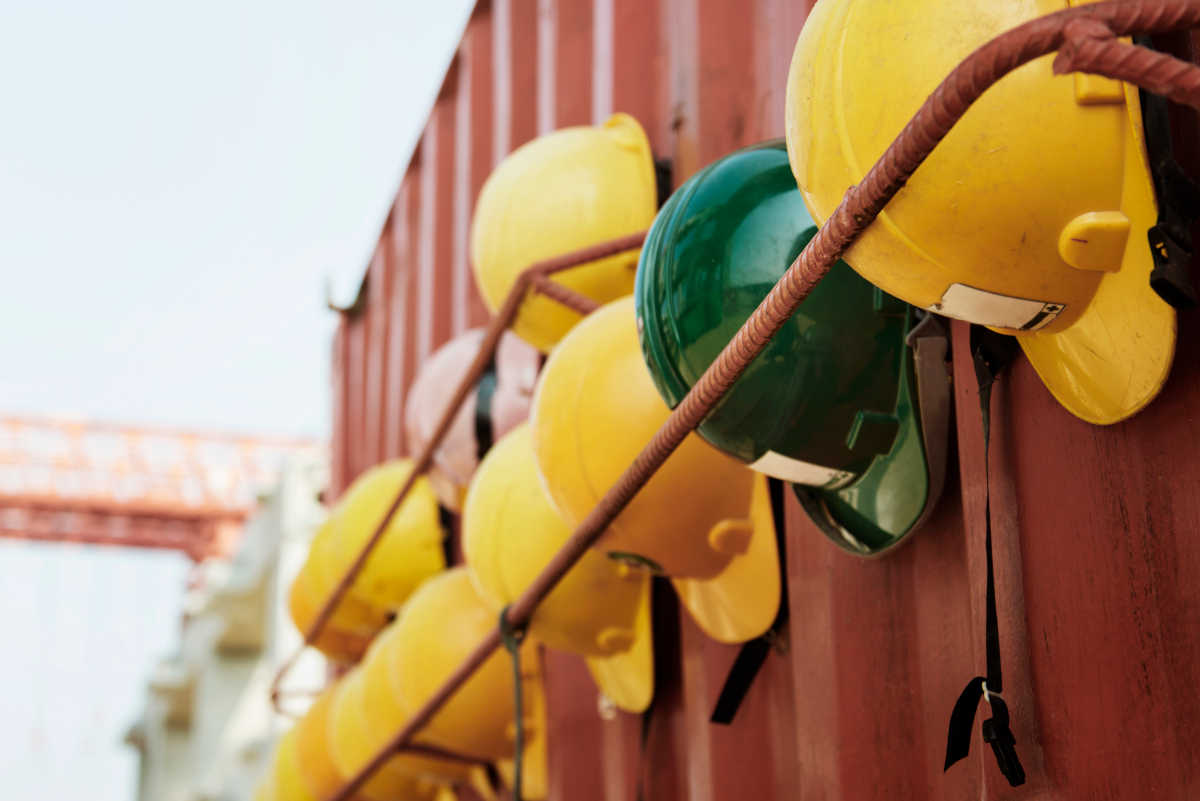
{"type": "Point", "coordinates": [1110, 563]}
{"type": "Point", "coordinates": [396, 358]}
{"type": "Point", "coordinates": [407, 261]}
{"type": "Point", "coordinates": [567, 681]}
{"type": "Point", "coordinates": [477, 147]}
{"type": "Point", "coordinates": [515, 53]}
{"type": "Point", "coordinates": [375, 380]}
{"type": "Point", "coordinates": [634, 54]}
{"type": "Point", "coordinates": [573, 29]}
{"type": "Point", "coordinates": [443, 158]}
{"type": "Point", "coordinates": [338, 464]}
{"type": "Point", "coordinates": [1097, 558]}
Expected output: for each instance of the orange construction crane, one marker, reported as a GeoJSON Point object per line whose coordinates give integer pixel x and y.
{"type": "Point", "coordinates": [81, 481]}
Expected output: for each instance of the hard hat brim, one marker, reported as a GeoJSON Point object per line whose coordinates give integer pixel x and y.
{"type": "Point", "coordinates": [741, 602]}
{"type": "Point", "coordinates": [1116, 358]}
{"type": "Point", "coordinates": [898, 491]}
{"type": "Point", "coordinates": [479, 783]}
{"type": "Point", "coordinates": [627, 678]}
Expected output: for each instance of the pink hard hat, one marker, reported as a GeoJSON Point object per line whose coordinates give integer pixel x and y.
{"type": "Point", "coordinates": [500, 401]}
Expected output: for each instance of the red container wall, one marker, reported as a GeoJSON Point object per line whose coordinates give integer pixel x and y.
{"type": "Point", "coordinates": [1097, 529]}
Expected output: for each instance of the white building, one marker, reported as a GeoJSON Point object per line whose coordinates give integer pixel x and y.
{"type": "Point", "coordinates": [207, 727]}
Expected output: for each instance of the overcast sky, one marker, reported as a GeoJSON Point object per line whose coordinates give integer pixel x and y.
{"type": "Point", "coordinates": [178, 181]}
{"type": "Point", "coordinates": [84, 626]}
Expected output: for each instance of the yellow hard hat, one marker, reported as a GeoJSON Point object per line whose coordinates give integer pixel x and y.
{"type": "Point", "coordinates": [562, 192]}
{"type": "Point", "coordinates": [345, 637]}
{"type": "Point", "coordinates": [1030, 217]}
{"type": "Point", "coordinates": [384, 716]}
{"type": "Point", "coordinates": [725, 606]}
{"type": "Point", "coordinates": [404, 777]}
{"type": "Point", "coordinates": [318, 770]}
{"type": "Point", "coordinates": [439, 626]}
{"type": "Point", "coordinates": [286, 782]}
{"type": "Point", "coordinates": [600, 609]}
{"type": "Point", "coordinates": [264, 791]}
{"type": "Point", "coordinates": [594, 409]}
{"type": "Point", "coordinates": [409, 551]}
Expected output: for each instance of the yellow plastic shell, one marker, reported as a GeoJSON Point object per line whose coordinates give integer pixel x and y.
{"type": "Point", "coordinates": [436, 630]}
{"type": "Point", "coordinates": [401, 778]}
{"type": "Point", "coordinates": [599, 610]}
{"type": "Point", "coordinates": [627, 677]}
{"type": "Point", "coordinates": [317, 769]}
{"type": "Point", "coordinates": [561, 192]}
{"type": "Point", "coordinates": [594, 409]}
{"type": "Point", "coordinates": [346, 636]}
{"type": "Point", "coordinates": [409, 552]}
{"type": "Point", "coordinates": [743, 603]}
{"type": "Point", "coordinates": [286, 782]}
{"type": "Point", "coordinates": [385, 716]}
{"type": "Point", "coordinates": [1029, 217]}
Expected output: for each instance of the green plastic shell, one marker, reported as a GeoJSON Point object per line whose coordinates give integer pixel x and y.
{"type": "Point", "coordinates": [832, 389]}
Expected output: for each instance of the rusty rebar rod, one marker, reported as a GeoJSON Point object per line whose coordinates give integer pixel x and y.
{"type": "Point", "coordinates": [576, 301]}
{"type": "Point", "coordinates": [1089, 44]}
{"type": "Point", "coordinates": [535, 278]}
{"type": "Point", "coordinates": [859, 207]}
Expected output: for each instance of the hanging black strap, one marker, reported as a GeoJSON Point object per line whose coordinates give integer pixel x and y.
{"type": "Point", "coordinates": [492, 776]}
{"type": "Point", "coordinates": [753, 654]}
{"type": "Point", "coordinates": [742, 673]}
{"type": "Point", "coordinates": [991, 353]}
{"type": "Point", "coordinates": [512, 637]}
{"type": "Point", "coordinates": [447, 520]}
{"type": "Point", "coordinates": [1178, 204]}
{"type": "Point", "coordinates": [663, 181]}
{"type": "Point", "coordinates": [484, 391]}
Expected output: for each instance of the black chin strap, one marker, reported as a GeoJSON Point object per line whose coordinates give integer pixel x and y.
{"type": "Point", "coordinates": [991, 353]}
{"type": "Point", "coordinates": [753, 654]}
{"type": "Point", "coordinates": [447, 520]}
{"type": "Point", "coordinates": [1178, 204]}
{"type": "Point", "coordinates": [484, 391]}
{"type": "Point", "coordinates": [667, 665]}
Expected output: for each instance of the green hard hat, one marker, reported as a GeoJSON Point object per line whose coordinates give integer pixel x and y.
{"type": "Point", "coordinates": [831, 404]}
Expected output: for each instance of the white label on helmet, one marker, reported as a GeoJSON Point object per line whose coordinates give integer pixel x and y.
{"type": "Point", "coordinates": [999, 311]}
{"type": "Point", "coordinates": [814, 475]}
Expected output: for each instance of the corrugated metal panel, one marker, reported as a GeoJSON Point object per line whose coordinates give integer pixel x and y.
{"type": "Point", "coordinates": [1096, 555]}
{"type": "Point", "coordinates": [396, 358]}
